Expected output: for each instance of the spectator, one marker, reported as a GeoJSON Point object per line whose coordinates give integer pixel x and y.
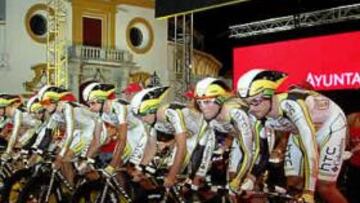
{"type": "Point", "coordinates": [130, 90]}
{"type": "Point", "coordinates": [353, 183]}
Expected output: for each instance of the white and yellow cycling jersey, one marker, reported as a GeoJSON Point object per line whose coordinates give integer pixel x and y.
{"type": "Point", "coordinates": [117, 114]}
{"type": "Point", "coordinates": [174, 119]}
{"type": "Point", "coordinates": [79, 124]}
{"type": "Point", "coordinates": [4, 121]}
{"type": "Point", "coordinates": [311, 119]}
{"type": "Point", "coordinates": [232, 120]}
{"type": "Point", "coordinates": [136, 137]}
{"type": "Point", "coordinates": [24, 128]}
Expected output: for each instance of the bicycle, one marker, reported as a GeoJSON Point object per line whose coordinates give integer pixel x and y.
{"type": "Point", "coordinates": [50, 183]}
{"type": "Point", "coordinates": [104, 189]}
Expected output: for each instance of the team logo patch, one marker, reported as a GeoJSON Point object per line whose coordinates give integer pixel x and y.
{"type": "Point", "coordinates": [322, 104]}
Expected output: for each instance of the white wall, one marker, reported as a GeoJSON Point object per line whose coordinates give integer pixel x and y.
{"type": "Point", "coordinates": [156, 58]}
{"type": "Point", "coordinates": [23, 51]}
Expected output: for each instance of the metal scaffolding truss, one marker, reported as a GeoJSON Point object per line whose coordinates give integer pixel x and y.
{"type": "Point", "coordinates": [183, 54]}
{"type": "Point", "coordinates": [57, 59]}
{"type": "Point", "coordinates": [301, 20]}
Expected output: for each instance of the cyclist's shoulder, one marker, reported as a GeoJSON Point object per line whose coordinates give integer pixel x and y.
{"type": "Point", "coordinates": [298, 94]}
{"type": "Point", "coordinates": [119, 105]}
{"type": "Point", "coordinates": [170, 109]}
{"type": "Point", "coordinates": [234, 103]}
{"type": "Point", "coordinates": [176, 105]}
{"type": "Point", "coordinates": [120, 101]}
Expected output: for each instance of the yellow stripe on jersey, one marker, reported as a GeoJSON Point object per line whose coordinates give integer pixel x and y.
{"type": "Point", "coordinates": [126, 152]}
{"type": "Point", "coordinates": [307, 116]}
{"type": "Point", "coordinates": [243, 169]}
{"type": "Point", "coordinates": [312, 128]}
{"type": "Point", "coordinates": [306, 166]}
{"type": "Point", "coordinates": [202, 131]}
{"type": "Point", "coordinates": [280, 98]}
{"type": "Point", "coordinates": [258, 127]}
{"type": "Point", "coordinates": [186, 161]}
{"type": "Point", "coordinates": [182, 120]}
{"type": "Point", "coordinates": [78, 147]}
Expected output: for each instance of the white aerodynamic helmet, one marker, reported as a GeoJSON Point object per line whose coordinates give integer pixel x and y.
{"type": "Point", "coordinates": [258, 81]}
{"type": "Point", "coordinates": [148, 100]}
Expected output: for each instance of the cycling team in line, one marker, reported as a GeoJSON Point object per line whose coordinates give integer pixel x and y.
{"type": "Point", "coordinates": [222, 144]}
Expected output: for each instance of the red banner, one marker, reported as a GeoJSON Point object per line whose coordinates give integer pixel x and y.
{"type": "Point", "coordinates": [327, 62]}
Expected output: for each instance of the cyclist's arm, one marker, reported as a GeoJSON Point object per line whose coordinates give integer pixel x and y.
{"type": "Point", "coordinates": [297, 112]}
{"type": "Point", "coordinates": [179, 155]}
{"type": "Point", "coordinates": [45, 132]}
{"type": "Point", "coordinates": [241, 122]}
{"type": "Point", "coordinates": [150, 147]}
{"type": "Point", "coordinates": [30, 121]}
{"type": "Point", "coordinates": [261, 155]}
{"type": "Point", "coordinates": [3, 122]}
{"type": "Point", "coordinates": [89, 122]}
{"type": "Point", "coordinates": [14, 135]}
{"type": "Point", "coordinates": [138, 153]}
{"type": "Point", "coordinates": [4, 130]}
{"type": "Point", "coordinates": [95, 142]}
{"type": "Point", "coordinates": [175, 117]}
{"type": "Point", "coordinates": [209, 141]}
{"type": "Point", "coordinates": [29, 137]}
{"type": "Point", "coordinates": [121, 112]}
{"type": "Point", "coordinates": [69, 119]}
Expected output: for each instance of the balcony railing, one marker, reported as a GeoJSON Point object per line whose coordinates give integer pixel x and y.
{"type": "Point", "coordinates": [100, 55]}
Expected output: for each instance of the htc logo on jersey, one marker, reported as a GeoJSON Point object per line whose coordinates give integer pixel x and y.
{"type": "Point", "coordinates": [329, 163]}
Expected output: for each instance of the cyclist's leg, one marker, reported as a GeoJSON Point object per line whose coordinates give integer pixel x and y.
{"type": "Point", "coordinates": [67, 169]}
{"type": "Point", "coordinates": [331, 140]}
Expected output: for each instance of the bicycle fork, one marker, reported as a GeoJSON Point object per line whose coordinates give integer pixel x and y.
{"type": "Point", "coordinates": [54, 174]}
{"type": "Point", "coordinates": [113, 183]}
{"type": "Point", "coordinates": [52, 179]}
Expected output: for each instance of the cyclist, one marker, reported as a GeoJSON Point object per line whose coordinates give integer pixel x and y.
{"type": "Point", "coordinates": [78, 121]}
{"type": "Point", "coordinates": [121, 132]}
{"type": "Point", "coordinates": [23, 123]}
{"type": "Point", "coordinates": [314, 121]}
{"type": "Point", "coordinates": [171, 126]}
{"type": "Point", "coordinates": [226, 114]}
{"type": "Point", "coordinates": [5, 127]}
{"type": "Point", "coordinates": [43, 136]}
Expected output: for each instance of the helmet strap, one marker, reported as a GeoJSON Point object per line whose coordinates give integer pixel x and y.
{"type": "Point", "coordinates": [155, 120]}
{"type": "Point", "coordinates": [219, 101]}
{"type": "Point", "coordinates": [102, 108]}
{"type": "Point", "coordinates": [42, 115]}
{"type": "Point", "coordinates": [268, 94]}
{"type": "Point", "coordinates": [4, 114]}
{"type": "Point", "coordinates": [271, 104]}
{"type": "Point", "coordinates": [53, 111]}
